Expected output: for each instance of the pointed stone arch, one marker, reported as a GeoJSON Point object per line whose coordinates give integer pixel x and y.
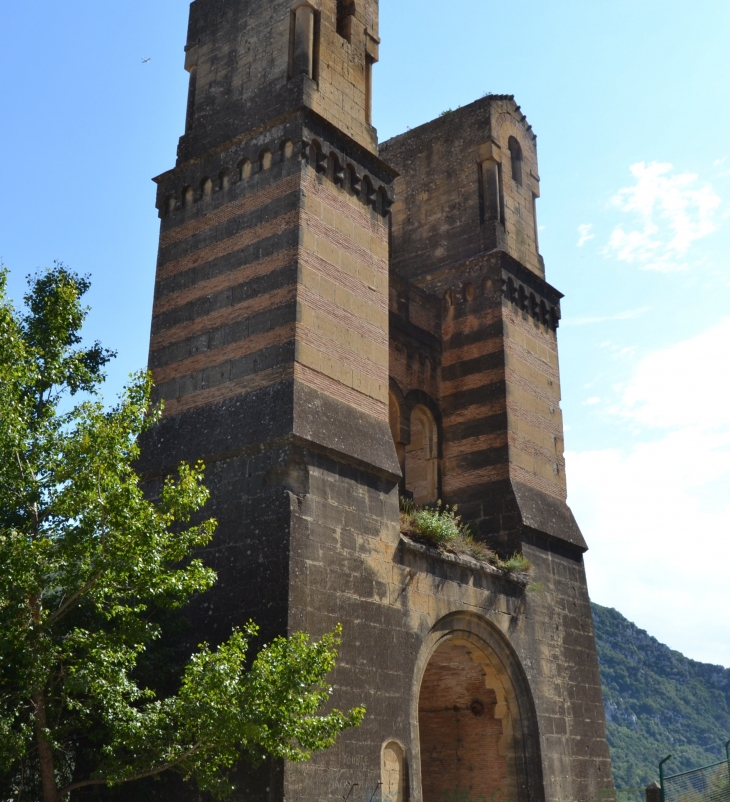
{"type": "Point", "coordinates": [473, 717]}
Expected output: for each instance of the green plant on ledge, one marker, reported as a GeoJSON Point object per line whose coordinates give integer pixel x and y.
{"type": "Point", "coordinates": [441, 527]}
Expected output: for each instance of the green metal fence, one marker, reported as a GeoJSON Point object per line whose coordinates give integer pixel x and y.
{"type": "Point", "coordinates": [708, 784]}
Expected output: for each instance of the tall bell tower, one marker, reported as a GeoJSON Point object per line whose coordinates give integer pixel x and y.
{"type": "Point", "coordinates": [315, 372]}
{"type": "Point", "coordinates": [269, 342]}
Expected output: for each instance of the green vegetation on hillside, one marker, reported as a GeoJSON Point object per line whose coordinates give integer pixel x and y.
{"type": "Point", "coordinates": [657, 702]}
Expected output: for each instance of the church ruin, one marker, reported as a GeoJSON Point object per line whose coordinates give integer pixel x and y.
{"type": "Point", "coordinates": [337, 323]}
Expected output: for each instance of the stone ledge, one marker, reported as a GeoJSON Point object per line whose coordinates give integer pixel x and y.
{"type": "Point", "coordinates": [464, 561]}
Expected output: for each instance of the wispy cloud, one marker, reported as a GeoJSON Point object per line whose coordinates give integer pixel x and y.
{"type": "Point", "coordinates": [672, 211]}
{"type": "Point", "coordinates": [585, 232]}
{"type": "Point", "coordinates": [629, 314]}
{"type": "Point", "coordinates": [657, 398]}
{"type": "Point", "coordinates": [649, 510]}
{"type": "Point", "coordinates": [719, 162]}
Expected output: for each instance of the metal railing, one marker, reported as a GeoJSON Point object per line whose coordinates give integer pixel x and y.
{"type": "Point", "coordinates": [706, 784]}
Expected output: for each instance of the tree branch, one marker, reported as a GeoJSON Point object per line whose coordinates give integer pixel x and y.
{"type": "Point", "coordinates": [74, 598]}
{"type": "Point", "coordinates": [143, 775]}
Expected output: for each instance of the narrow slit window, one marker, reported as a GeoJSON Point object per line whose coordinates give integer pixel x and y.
{"type": "Point", "coordinates": [515, 150]}
{"type": "Point", "coordinates": [303, 46]}
{"type": "Point", "coordinates": [345, 17]}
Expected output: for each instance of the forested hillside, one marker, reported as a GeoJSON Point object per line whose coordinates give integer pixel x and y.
{"type": "Point", "coordinates": [658, 702]}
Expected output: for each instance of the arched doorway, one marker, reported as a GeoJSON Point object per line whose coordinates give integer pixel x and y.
{"type": "Point", "coordinates": [476, 728]}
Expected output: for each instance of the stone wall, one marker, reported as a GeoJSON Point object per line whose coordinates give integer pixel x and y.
{"type": "Point", "coordinates": [311, 348]}
{"type": "Point", "coordinates": [245, 70]}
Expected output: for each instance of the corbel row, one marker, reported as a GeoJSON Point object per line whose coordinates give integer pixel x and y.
{"type": "Point", "coordinates": [525, 300]}
{"type": "Point", "coordinates": [341, 171]}
{"type": "Point", "coordinates": [346, 174]}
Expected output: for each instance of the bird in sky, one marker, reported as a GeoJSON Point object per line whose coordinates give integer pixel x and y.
{"type": "Point", "coordinates": [146, 60]}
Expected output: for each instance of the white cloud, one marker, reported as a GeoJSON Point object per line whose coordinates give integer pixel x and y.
{"type": "Point", "coordinates": [586, 234]}
{"type": "Point", "coordinates": [592, 401]}
{"type": "Point", "coordinates": [686, 385]}
{"type": "Point", "coordinates": [719, 162]}
{"type": "Point", "coordinates": [672, 211]}
{"type": "Point", "coordinates": [657, 515]}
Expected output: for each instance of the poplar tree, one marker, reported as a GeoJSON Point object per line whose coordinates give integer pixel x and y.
{"type": "Point", "coordinates": [86, 558]}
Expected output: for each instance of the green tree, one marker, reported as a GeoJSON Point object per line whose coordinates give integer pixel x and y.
{"type": "Point", "coordinates": [86, 558]}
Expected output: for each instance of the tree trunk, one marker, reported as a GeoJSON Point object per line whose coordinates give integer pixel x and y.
{"type": "Point", "coordinates": [45, 750]}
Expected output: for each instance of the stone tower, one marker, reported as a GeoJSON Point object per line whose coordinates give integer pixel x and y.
{"type": "Point", "coordinates": [335, 325]}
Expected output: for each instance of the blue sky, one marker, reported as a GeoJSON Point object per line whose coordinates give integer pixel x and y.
{"type": "Point", "coordinates": [630, 101]}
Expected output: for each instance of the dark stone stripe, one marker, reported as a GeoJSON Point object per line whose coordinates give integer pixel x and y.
{"type": "Point", "coordinates": [229, 297]}
{"type": "Point", "coordinates": [231, 261]}
{"type": "Point", "coordinates": [225, 335]}
{"type": "Point", "coordinates": [229, 228]}
{"type": "Point", "coordinates": [206, 432]}
{"type": "Point", "coordinates": [470, 367]}
{"type": "Point", "coordinates": [488, 494]}
{"type": "Point", "coordinates": [409, 332]}
{"type": "Point", "coordinates": [486, 394]}
{"type": "Point", "coordinates": [489, 424]}
{"type": "Point", "coordinates": [476, 460]}
{"type": "Point", "coordinates": [462, 339]}
{"type": "Point", "coordinates": [234, 369]}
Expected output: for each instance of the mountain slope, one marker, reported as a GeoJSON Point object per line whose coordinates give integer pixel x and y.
{"type": "Point", "coordinates": [657, 702]}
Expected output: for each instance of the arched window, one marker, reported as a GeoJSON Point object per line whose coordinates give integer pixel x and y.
{"type": "Point", "coordinates": [393, 773]}
{"type": "Point", "coordinates": [422, 457]}
{"type": "Point", "coordinates": [515, 151]}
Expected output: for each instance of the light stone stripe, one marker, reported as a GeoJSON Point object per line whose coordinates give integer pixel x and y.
{"type": "Point", "coordinates": [353, 211]}
{"type": "Point", "coordinates": [230, 245]}
{"type": "Point", "coordinates": [340, 276]}
{"type": "Point", "coordinates": [475, 411]}
{"type": "Point", "coordinates": [472, 381]}
{"type": "Point", "coordinates": [219, 356]}
{"type": "Point", "coordinates": [533, 449]}
{"type": "Point", "coordinates": [228, 211]}
{"type": "Point", "coordinates": [239, 387]}
{"type": "Point", "coordinates": [347, 355]}
{"type": "Point", "coordinates": [377, 332]}
{"type": "Point", "coordinates": [453, 356]}
{"type": "Point", "coordinates": [540, 393]}
{"type": "Point", "coordinates": [527, 327]}
{"type": "Point", "coordinates": [522, 354]}
{"type": "Point", "coordinates": [550, 426]}
{"type": "Point", "coordinates": [349, 395]}
{"type": "Point", "coordinates": [462, 479]}
{"type": "Point", "coordinates": [471, 445]}
{"type": "Point", "coordinates": [223, 317]}
{"type": "Point", "coordinates": [225, 280]}
{"type": "Point", "coordinates": [519, 474]}
{"type": "Point", "coordinates": [472, 323]}
{"type": "Point", "coordinates": [316, 227]}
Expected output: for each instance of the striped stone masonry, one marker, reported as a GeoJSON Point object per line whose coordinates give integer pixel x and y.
{"type": "Point", "coordinates": [337, 326]}
{"type": "Point", "coordinates": [273, 274]}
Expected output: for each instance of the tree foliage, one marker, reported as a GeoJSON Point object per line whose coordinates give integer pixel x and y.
{"type": "Point", "coordinates": [85, 560]}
